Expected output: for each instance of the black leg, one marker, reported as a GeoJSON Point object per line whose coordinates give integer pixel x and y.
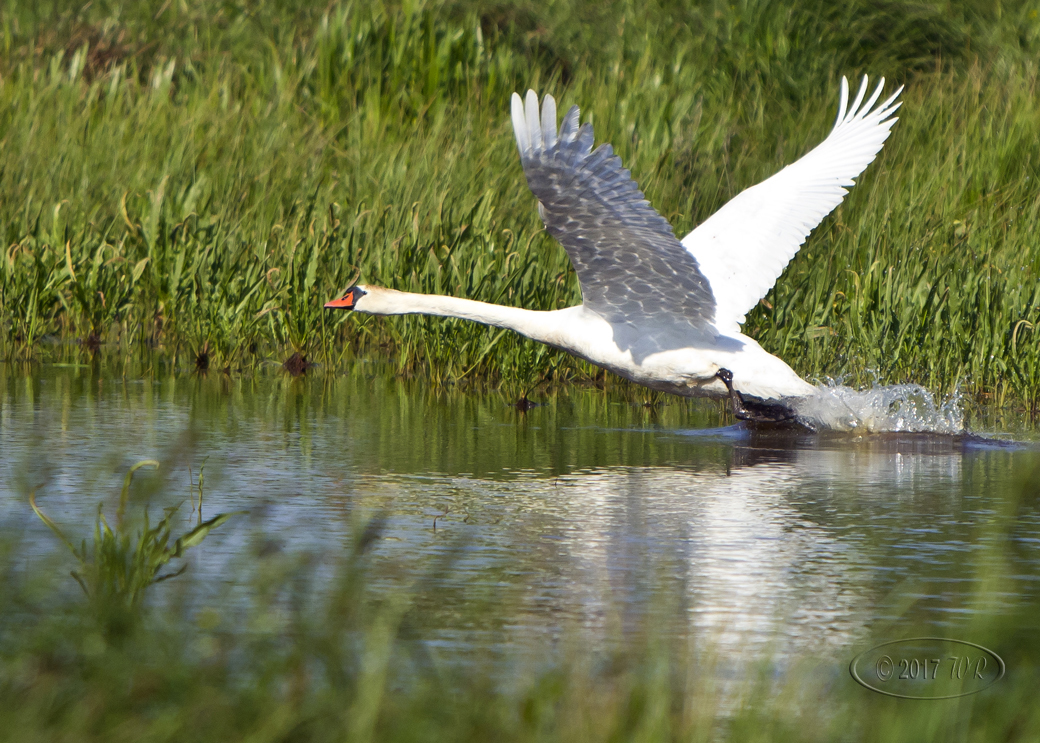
{"type": "Point", "coordinates": [735, 400]}
{"type": "Point", "coordinates": [753, 410]}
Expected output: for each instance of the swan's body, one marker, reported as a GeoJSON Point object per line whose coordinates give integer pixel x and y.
{"type": "Point", "coordinates": [661, 313]}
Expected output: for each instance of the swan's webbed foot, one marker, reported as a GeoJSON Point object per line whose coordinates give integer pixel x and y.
{"type": "Point", "coordinates": [750, 409]}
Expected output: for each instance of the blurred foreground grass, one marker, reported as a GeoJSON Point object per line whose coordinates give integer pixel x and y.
{"type": "Point", "coordinates": [348, 652]}
{"type": "Point", "coordinates": [193, 179]}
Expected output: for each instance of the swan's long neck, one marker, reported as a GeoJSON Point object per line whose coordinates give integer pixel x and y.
{"type": "Point", "coordinates": [539, 326]}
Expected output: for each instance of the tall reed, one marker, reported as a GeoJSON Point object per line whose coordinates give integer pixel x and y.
{"type": "Point", "coordinates": [199, 177]}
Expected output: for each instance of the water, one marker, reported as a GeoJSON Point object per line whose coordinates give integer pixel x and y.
{"type": "Point", "coordinates": [589, 515]}
{"type": "Point", "coordinates": [881, 409]}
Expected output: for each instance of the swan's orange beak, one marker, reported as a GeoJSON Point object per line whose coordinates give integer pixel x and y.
{"type": "Point", "coordinates": [346, 302]}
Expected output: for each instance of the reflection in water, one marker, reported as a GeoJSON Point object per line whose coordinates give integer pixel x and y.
{"type": "Point", "coordinates": [588, 514]}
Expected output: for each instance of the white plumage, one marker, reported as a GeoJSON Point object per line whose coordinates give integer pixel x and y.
{"type": "Point", "coordinates": [665, 313]}
{"type": "Point", "coordinates": [745, 246]}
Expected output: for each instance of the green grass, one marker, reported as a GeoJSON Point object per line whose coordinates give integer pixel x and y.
{"type": "Point", "coordinates": [120, 566]}
{"type": "Point", "coordinates": [193, 179]}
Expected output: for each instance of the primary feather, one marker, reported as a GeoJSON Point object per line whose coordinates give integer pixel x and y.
{"type": "Point", "coordinates": [744, 247]}
{"type": "Point", "coordinates": [631, 267]}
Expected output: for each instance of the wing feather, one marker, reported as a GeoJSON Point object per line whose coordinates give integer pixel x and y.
{"type": "Point", "coordinates": [629, 263]}
{"type": "Point", "coordinates": [744, 247]}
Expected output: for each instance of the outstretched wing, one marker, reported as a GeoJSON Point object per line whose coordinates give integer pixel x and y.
{"type": "Point", "coordinates": [629, 263]}
{"type": "Point", "coordinates": [744, 247]}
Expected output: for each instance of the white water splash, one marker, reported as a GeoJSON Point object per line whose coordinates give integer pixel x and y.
{"type": "Point", "coordinates": [881, 409]}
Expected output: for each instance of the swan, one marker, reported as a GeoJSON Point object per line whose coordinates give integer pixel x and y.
{"type": "Point", "coordinates": [658, 311]}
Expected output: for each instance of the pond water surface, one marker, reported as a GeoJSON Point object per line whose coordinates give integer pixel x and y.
{"type": "Point", "coordinates": [588, 513]}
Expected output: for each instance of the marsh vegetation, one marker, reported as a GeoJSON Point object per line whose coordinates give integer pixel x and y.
{"type": "Point", "coordinates": [193, 180]}
{"type": "Point", "coordinates": [183, 184]}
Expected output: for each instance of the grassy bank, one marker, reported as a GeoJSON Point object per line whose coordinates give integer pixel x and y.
{"type": "Point", "coordinates": [194, 179]}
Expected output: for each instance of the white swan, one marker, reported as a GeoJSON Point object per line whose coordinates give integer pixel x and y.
{"type": "Point", "coordinates": [663, 313]}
